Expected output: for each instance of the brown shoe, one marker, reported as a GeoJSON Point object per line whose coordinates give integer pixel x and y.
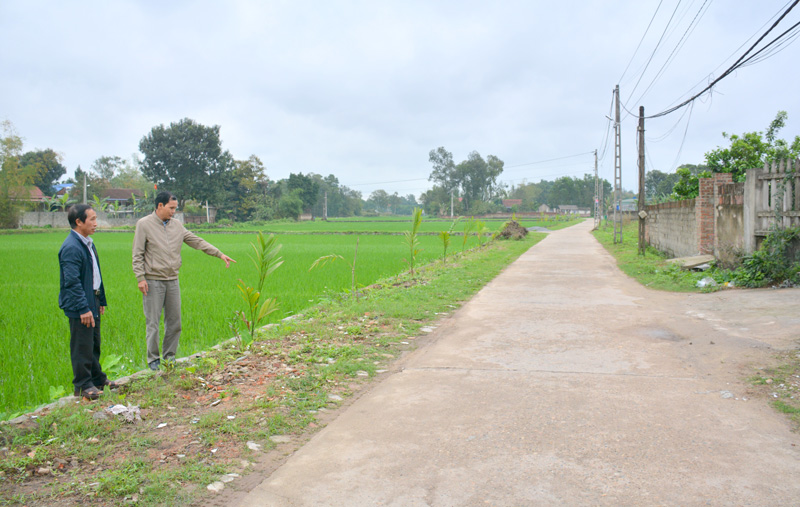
{"type": "Point", "coordinates": [110, 384]}
{"type": "Point", "coordinates": [90, 393]}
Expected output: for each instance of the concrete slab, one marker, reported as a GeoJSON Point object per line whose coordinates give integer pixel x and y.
{"type": "Point", "coordinates": [693, 261]}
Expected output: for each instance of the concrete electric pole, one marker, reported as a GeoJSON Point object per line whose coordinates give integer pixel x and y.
{"type": "Point", "coordinates": [596, 194]}
{"type": "Point", "coordinates": [617, 170]}
{"type": "Point", "coordinates": [642, 212]}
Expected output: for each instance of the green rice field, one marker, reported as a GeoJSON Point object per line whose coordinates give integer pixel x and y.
{"type": "Point", "coordinates": [34, 358]}
{"type": "Point", "coordinates": [395, 225]}
{"type": "Point", "coordinates": [35, 352]}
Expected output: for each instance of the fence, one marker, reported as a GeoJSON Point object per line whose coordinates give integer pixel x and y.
{"type": "Point", "coordinates": [728, 219]}
{"type": "Point", "coordinates": [773, 200]}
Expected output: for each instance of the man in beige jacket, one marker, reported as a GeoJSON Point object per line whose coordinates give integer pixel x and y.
{"type": "Point", "coordinates": [156, 261]}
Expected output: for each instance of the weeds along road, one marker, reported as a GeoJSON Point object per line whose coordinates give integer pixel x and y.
{"type": "Point", "coordinates": [563, 382]}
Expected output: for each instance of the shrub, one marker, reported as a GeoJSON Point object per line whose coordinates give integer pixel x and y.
{"type": "Point", "coordinates": [773, 262]}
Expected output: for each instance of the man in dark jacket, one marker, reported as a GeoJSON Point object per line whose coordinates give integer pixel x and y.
{"type": "Point", "coordinates": [82, 297]}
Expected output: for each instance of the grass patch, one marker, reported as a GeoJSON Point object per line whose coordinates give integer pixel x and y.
{"type": "Point", "coordinates": [781, 385]}
{"type": "Point", "coordinates": [652, 269]}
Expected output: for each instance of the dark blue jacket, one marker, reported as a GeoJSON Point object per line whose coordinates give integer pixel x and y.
{"type": "Point", "coordinates": [76, 295]}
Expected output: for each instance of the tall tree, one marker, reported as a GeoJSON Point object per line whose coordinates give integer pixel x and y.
{"type": "Point", "coordinates": [658, 183]}
{"type": "Point", "coordinates": [11, 177]}
{"type": "Point", "coordinates": [12, 174]}
{"type": "Point", "coordinates": [107, 167]}
{"type": "Point", "coordinates": [45, 166]}
{"type": "Point", "coordinates": [444, 169]}
{"type": "Point", "coordinates": [308, 189]}
{"type": "Point", "coordinates": [187, 159]}
{"type": "Point", "coordinates": [245, 189]}
{"type": "Point", "coordinates": [475, 177]}
{"type": "Point", "coordinates": [379, 200]}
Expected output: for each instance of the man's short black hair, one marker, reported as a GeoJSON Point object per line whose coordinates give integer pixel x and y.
{"type": "Point", "coordinates": [77, 212]}
{"type": "Point", "coordinates": [164, 198]}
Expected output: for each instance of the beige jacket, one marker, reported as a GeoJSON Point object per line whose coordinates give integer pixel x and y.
{"type": "Point", "coordinates": [157, 248]}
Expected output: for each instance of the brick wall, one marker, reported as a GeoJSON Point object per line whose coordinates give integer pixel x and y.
{"type": "Point", "coordinates": [709, 224]}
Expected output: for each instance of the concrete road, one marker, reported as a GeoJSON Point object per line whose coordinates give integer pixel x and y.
{"type": "Point", "coordinates": [563, 382]}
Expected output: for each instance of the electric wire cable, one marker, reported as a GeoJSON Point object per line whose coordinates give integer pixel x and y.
{"type": "Point", "coordinates": [640, 41]}
{"type": "Point", "coordinates": [655, 49]}
{"type": "Point", "coordinates": [742, 59]}
{"type": "Point", "coordinates": [676, 49]}
{"type": "Point", "coordinates": [708, 77]}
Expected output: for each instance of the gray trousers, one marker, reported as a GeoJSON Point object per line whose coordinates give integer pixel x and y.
{"type": "Point", "coordinates": [162, 295]}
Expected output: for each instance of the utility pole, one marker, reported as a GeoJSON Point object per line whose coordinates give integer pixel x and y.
{"type": "Point", "coordinates": [617, 171]}
{"type": "Point", "coordinates": [84, 188]}
{"type": "Point", "coordinates": [325, 207]}
{"type": "Point", "coordinates": [642, 212]}
{"type": "Point", "coordinates": [451, 203]}
{"type": "Point", "coordinates": [596, 194]}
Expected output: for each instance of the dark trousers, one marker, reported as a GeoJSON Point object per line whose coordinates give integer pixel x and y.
{"type": "Point", "coordinates": [84, 350]}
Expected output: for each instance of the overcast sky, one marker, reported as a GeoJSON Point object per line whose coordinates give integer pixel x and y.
{"type": "Point", "coordinates": [364, 90]}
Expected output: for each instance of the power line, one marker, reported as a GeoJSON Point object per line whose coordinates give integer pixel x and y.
{"type": "Point", "coordinates": [640, 41]}
{"type": "Point", "coordinates": [675, 50]}
{"type": "Point", "coordinates": [653, 54]}
{"type": "Point", "coordinates": [551, 159]}
{"type": "Point", "coordinates": [733, 53]}
{"type": "Point", "coordinates": [738, 63]}
{"type": "Point", "coordinates": [386, 182]}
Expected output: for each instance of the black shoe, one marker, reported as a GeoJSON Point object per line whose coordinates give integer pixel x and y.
{"type": "Point", "coordinates": [154, 365]}
{"type": "Point", "coordinates": [90, 393]}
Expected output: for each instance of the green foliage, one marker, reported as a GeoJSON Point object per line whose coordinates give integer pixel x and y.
{"type": "Point", "coordinates": [325, 259]}
{"type": "Point", "coordinates": [290, 205]}
{"type": "Point", "coordinates": [57, 392]}
{"type": "Point", "coordinates": [341, 200]}
{"type": "Point", "coordinates": [411, 238]}
{"type": "Point", "coordinates": [658, 184]}
{"type": "Point", "coordinates": [9, 213]}
{"type": "Point", "coordinates": [245, 191]}
{"type": "Point", "coordinates": [187, 158]}
{"type": "Point", "coordinates": [98, 204]}
{"type": "Point", "coordinates": [752, 150]}
{"type": "Point", "coordinates": [475, 179]}
{"type": "Point", "coordinates": [688, 184]}
{"type": "Point", "coordinates": [469, 226]}
{"type": "Point", "coordinates": [107, 167]}
{"type": "Point", "coordinates": [445, 237]}
{"type": "Point", "coordinates": [480, 230]}
{"type": "Point", "coordinates": [115, 366]}
{"type": "Point", "coordinates": [45, 166]}
{"type": "Point", "coordinates": [304, 187]}
{"type": "Point", "coordinates": [772, 262]}
{"type": "Point", "coordinates": [266, 259]}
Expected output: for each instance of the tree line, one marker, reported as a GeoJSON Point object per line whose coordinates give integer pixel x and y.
{"type": "Point", "coordinates": [187, 158]}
